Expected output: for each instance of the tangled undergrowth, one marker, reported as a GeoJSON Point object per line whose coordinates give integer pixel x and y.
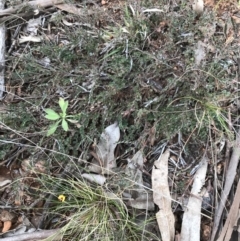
{"type": "Point", "coordinates": [163, 73]}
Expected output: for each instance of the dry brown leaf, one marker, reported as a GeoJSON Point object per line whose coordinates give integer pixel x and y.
{"type": "Point", "coordinates": [6, 217]}
{"type": "Point", "coordinates": [5, 176]}
{"type": "Point", "coordinates": [161, 197]}
{"type": "Point", "coordinates": [230, 37]}
{"type": "Point", "coordinates": [6, 226]}
{"type": "Point", "coordinates": [206, 232]}
{"type": "Point", "coordinates": [152, 135]}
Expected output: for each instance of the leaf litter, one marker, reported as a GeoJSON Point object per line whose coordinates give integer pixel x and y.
{"type": "Point", "coordinates": [187, 62]}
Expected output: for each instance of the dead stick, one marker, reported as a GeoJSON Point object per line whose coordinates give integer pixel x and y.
{"type": "Point", "coordinates": [38, 235]}
{"type": "Point", "coordinates": [2, 52]}
{"type": "Point", "coordinates": [33, 4]}
{"type": "Point", "coordinates": [230, 175]}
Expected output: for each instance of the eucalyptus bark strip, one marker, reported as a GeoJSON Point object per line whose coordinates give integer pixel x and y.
{"type": "Point", "coordinates": [191, 223]}
{"type": "Point", "coordinates": [230, 176]}
{"type": "Point", "coordinates": [162, 197]}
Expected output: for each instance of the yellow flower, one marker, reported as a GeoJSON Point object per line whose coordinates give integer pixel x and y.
{"type": "Point", "coordinates": [61, 198]}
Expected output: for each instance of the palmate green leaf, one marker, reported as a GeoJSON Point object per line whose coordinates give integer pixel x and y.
{"type": "Point", "coordinates": [52, 128]}
{"type": "Point", "coordinates": [51, 114]}
{"type": "Point", "coordinates": [63, 105]}
{"type": "Point", "coordinates": [64, 125]}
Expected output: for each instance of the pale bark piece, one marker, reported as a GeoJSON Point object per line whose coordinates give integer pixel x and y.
{"type": "Point", "coordinates": [34, 4]}
{"type": "Point", "coordinates": [105, 150]}
{"type": "Point", "coordinates": [162, 197]}
{"type": "Point", "coordinates": [230, 175]}
{"type": "Point", "coordinates": [2, 52]}
{"type": "Point", "coordinates": [192, 216]}
{"type": "Point", "coordinates": [198, 6]}
{"type": "Point", "coordinates": [38, 235]}
{"type": "Point", "coordinates": [199, 53]}
{"type": "Point", "coordinates": [99, 179]}
{"type": "Point", "coordinates": [232, 217]}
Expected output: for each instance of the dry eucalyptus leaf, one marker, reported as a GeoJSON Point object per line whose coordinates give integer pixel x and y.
{"type": "Point", "coordinates": [33, 25]}
{"type": "Point", "coordinates": [139, 197]}
{"type": "Point", "coordinates": [6, 226]}
{"type": "Point", "coordinates": [161, 197]}
{"type": "Point", "coordinates": [6, 217]}
{"type": "Point", "coordinates": [35, 39]}
{"type": "Point", "coordinates": [5, 176]}
{"type": "Point", "coordinates": [105, 150]}
{"type": "Point", "coordinates": [199, 53]}
{"type": "Point", "coordinates": [99, 179]}
{"type": "Point", "coordinates": [144, 201]}
{"type": "Point", "coordinates": [134, 166]}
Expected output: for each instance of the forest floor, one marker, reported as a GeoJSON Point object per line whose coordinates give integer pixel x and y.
{"type": "Point", "coordinates": [96, 94]}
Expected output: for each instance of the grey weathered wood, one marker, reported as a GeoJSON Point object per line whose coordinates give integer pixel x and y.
{"type": "Point", "coordinates": [2, 52]}
{"type": "Point", "coordinates": [230, 176]}
{"type": "Point", "coordinates": [38, 235]}
{"type": "Point", "coordinates": [33, 4]}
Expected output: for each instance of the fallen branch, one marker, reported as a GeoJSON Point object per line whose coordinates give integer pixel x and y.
{"type": "Point", "coordinates": [42, 234]}
{"type": "Point", "coordinates": [192, 216]}
{"type": "Point", "coordinates": [2, 52]}
{"type": "Point", "coordinates": [230, 175]}
{"type": "Point", "coordinates": [32, 4]}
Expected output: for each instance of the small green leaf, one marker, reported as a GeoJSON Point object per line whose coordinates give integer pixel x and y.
{"type": "Point", "coordinates": [63, 105]}
{"type": "Point", "coordinates": [64, 125]}
{"type": "Point", "coordinates": [51, 114]}
{"type": "Point", "coordinates": [52, 128]}
{"type": "Point", "coordinates": [73, 121]}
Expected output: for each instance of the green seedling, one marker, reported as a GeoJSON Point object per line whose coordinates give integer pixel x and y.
{"type": "Point", "coordinates": [59, 117]}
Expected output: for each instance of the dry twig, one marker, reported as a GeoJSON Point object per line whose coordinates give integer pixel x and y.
{"type": "Point", "coordinates": [2, 52]}
{"type": "Point", "coordinates": [232, 217]}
